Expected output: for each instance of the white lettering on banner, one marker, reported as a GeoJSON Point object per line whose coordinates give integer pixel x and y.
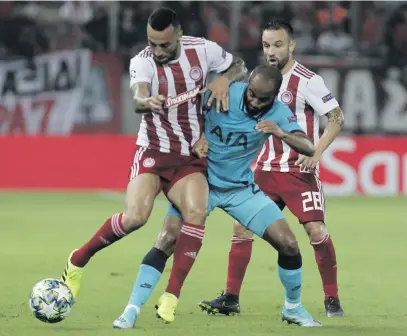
{"type": "Point", "coordinates": [394, 114]}
{"type": "Point", "coordinates": [359, 99]}
{"type": "Point", "coordinates": [44, 100]}
{"type": "Point", "coordinates": [28, 116]}
{"type": "Point", "coordinates": [358, 172]}
{"type": "Point", "coordinates": [390, 161]}
{"type": "Point", "coordinates": [369, 102]}
{"type": "Point", "coordinates": [340, 168]}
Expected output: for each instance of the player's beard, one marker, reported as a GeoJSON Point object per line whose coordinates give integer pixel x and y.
{"type": "Point", "coordinates": [171, 55]}
{"type": "Point", "coordinates": [280, 62]}
{"type": "Point", "coordinates": [255, 111]}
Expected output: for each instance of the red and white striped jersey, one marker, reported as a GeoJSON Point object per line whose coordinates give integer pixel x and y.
{"type": "Point", "coordinates": [180, 80]}
{"type": "Point", "coordinates": [308, 98]}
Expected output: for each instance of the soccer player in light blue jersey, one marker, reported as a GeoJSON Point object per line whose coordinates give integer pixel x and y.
{"type": "Point", "coordinates": [234, 138]}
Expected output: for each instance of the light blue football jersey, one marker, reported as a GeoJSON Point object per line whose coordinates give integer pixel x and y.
{"type": "Point", "coordinates": [233, 140]}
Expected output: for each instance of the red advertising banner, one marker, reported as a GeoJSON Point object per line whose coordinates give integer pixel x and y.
{"type": "Point", "coordinates": [72, 162]}
{"type": "Point", "coordinates": [375, 166]}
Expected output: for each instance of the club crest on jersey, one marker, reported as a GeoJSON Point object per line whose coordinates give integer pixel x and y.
{"type": "Point", "coordinates": [183, 98]}
{"type": "Point", "coordinates": [286, 97]}
{"type": "Point", "coordinates": [148, 162]}
{"type": "Point", "coordinates": [195, 73]}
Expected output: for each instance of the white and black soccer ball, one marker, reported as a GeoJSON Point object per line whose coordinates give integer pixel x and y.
{"type": "Point", "coordinates": [51, 301]}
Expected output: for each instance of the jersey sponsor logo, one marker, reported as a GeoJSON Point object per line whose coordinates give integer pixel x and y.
{"type": "Point", "coordinates": [196, 73]}
{"type": "Point", "coordinates": [327, 98]}
{"type": "Point", "coordinates": [232, 139]}
{"type": "Point", "coordinates": [182, 98]}
{"type": "Point", "coordinates": [286, 97]}
{"type": "Point", "coordinates": [148, 162]}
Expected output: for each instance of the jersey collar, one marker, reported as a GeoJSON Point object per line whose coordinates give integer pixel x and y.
{"type": "Point", "coordinates": [181, 52]}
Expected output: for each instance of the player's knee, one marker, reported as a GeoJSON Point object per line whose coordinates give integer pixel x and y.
{"type": "Point", "coordinates": [240, 231]}
{"type": "Point", "coordinates": [166, 242]}
{"type": "Point", "coordinates": [290, 246]}
{"type": "Point", "coordinates": [169, 235]}
{"type": "Point", "coordinates": [195, 215]}
{"type": "Point", "coordinates": [133, 220]}
{"type": "Point", "coordinates": [316, 231]}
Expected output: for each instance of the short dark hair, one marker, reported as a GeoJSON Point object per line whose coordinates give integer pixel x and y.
{"type": "Point", "coordinates": [269, 73]}
{"type": "Point", "coordinates": [276, 24]}
{"type": "Point", "coordinates": [162, 18]}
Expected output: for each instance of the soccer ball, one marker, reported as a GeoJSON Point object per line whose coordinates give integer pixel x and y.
{"type": "Point", "coordinates": [51, 301]}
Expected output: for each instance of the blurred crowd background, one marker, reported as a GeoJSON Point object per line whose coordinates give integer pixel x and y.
{"type": "Point", "coordinates": [374, 30]}
{"type": "Point", "coordinates": [71, 58]}
{"type": "Point", "coordinates": [64, 71]}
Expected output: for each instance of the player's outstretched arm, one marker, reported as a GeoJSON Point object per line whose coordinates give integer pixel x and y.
{"type": "Point", "coordinates": [299, 142]}
{"type": "Point", "coordinates": [296, 139]}
{"type": "Point", "coordinates": [332, 130]}
{"type": "Point", "coordinates": [334, 127]}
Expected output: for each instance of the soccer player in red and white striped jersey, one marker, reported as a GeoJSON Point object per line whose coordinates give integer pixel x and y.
{"type": "Point", "coordinates": [166, 79]}
{"type": "Point", "coordinates": [287, 178]}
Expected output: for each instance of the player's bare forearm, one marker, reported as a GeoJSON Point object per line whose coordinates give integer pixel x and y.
{"type": "Point", "coordinates": [141, 93]}
{"type": "Point", "coordinates": [299, 142]}
{"type": "Point", "coordinates": [236, 71]}
{"type": "Point", "coordinates": [332, 130]}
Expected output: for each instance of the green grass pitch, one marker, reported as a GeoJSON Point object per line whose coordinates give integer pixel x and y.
{"type": "Point", "coordinates": [39, 230]}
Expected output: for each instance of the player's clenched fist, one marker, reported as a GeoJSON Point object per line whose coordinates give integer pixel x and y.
{"type": "Point", "coordinates": [156, 103]}
{"type": "Point", "coordinates": [269, 126]}
{"type": "Point", "coordinates": [200, 147]}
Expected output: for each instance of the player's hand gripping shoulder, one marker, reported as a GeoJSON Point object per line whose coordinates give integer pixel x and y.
{"type": "Point", "coordinates": [220, 87]}
{"type": "Point", "coordinates": [298, 141]}
{"type": "Point", "coordinates": [142, 101]}
{"type": "Point", "coordinates": [200, 148]}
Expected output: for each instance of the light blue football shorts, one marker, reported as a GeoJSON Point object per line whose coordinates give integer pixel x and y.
{"type": "Point", "coordinates": [248, 205]}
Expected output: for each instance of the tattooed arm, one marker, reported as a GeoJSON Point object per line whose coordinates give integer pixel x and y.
{"type": "Point", "coordinates": [236, 71]}
{"type": "Point", "coordinates": [141, 92]}
{"type": "Point", "coordinates": [142, 102]}
{"type": "Point", "coordinates": [319, 97]}
{"type": "Point", "coordinates": [334, 127]}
